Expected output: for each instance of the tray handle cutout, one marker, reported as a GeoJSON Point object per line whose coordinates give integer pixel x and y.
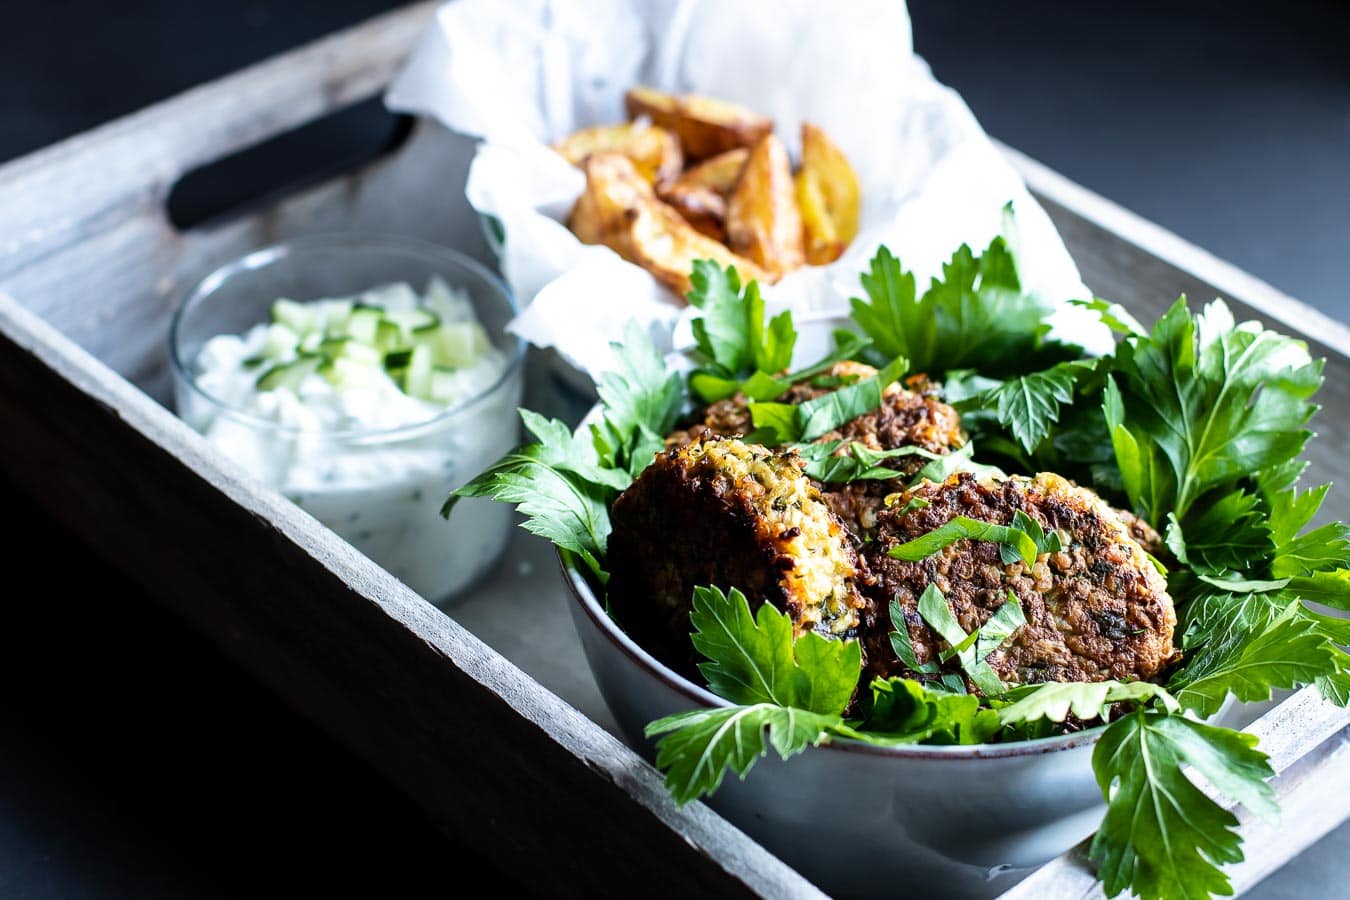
{"type": "Point", "coordinates": [261, 175]}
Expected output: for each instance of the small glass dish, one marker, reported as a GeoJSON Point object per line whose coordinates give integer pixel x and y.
{"type": "Point", "coordinates": [379, 488]}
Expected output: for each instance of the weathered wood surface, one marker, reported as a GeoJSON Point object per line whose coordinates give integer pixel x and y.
{"type": "Point", "coordinates": [503, 762]}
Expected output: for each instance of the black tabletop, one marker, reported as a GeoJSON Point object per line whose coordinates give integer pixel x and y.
{"type": "Point", "coordinates": [135, 760]}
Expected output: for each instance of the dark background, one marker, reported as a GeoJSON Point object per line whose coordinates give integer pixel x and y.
{"type": "Point", "coordinates": [136, 761]}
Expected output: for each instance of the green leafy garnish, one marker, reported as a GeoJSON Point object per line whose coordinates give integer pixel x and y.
{"type": "Point", "coordinates": [1087, 700]}
{"type": "Point", "coordinates": [1320, 550]}
{"type": "Point", "coordinates": [733, 341]}
{"type": "Point", "coordinates": [788, 423]}
{"type": "Point", "coordinates": [901, 643]}
{"type": "Point", "coordinates": [947, 465]}
{"type": "Point", "coordinates": [1283, 655]}
{"type": "Point", "coordinates": [755, 660]}
{"type": "Point", "coordinates": [641, 398]}
{"type": "Point", "coordinates": [1162, 836]}
{"type": "Point", "coordinates": [1014, 543]}
{"type": "Point", "coordinates": [563, 483]}
{"type": "Point", "coordinates": [795, 691]}
{"type": "Point", "coordinates": [861, 463]}
{"type": "Point", "coordinates": [906, 712]}
{"type": "Point", "coordinates": [1200, 403]}
{"type": "Point", "coordinates": [972, 650]}
{"type": "Point", "coordinates": [1226, 536]}
{"type": "Point", "coordinates": [558, 485]}
{"type": "Point", "coordinates": [976, 315]}
{"type": "Point", "coordinates": [1029, 405]}
{"type": "Point", "coordinates": [698, 747]}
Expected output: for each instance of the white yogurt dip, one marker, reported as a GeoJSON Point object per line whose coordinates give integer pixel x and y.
{"type": "Point", "coordinates": [344, 440]}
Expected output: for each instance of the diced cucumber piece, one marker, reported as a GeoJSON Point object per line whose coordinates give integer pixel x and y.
{"type": "Point", "coordinates": [413, 321]}
{"type": "Point", "coordinates": [335, 316]}
{"type": "Point", "coordinates": [450, 305]}
{"type": "Point", "coordinates": [298, 317]}
{"type": "Point", "coordinates": [280, 341]}
{"type": "Point", "coordinates": [383, 335]}
{"type": "Point", "coordinates": [397, 359]}
{"type": "Point", "coordinates": [417, 377]}
{"type": "Point", "coordinates": [389, 337]}
{"type": "Point", "coordinates": [363, 324]}
{"type": "Point", "coordinates": [398, 297]}
{"type": "Point", "coordinates": [349, 373]}
{"type": "Point", "coordinates": [364, 354]}
{"type": "Point", "coordinates": [460, 344]}
{"type": "Point", "coordinates": [289, 374]}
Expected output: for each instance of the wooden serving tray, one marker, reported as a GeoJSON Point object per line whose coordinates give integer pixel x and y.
{"type": "Point", "coordinates": [487, 717]}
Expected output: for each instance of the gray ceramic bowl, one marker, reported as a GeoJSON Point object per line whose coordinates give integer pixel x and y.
{"type": "Point", "coordinates": [863, 821]}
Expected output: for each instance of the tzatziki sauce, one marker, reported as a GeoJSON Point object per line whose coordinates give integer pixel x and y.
{"type": "Point", "coordinates": [367, 412]}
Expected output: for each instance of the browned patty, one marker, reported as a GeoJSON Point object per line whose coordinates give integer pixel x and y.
{"type": "Point", "coordinates": [1097, 610]}
{"type": "Point", "coordinates": [910, 416]}
{"type": "Point", "coordinates": [724, 513]}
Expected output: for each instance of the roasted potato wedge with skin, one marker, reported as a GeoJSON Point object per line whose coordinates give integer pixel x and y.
{"type": "Point", "coordinates": [718, 174]}
{"type": "Point", "coordinates": [763, 222]}
{"type": "Point", "coordinates": [701, 207]}
{"type": "Point", "coordinates": [655, 152]}
{"type": "Point", "coordinates": [604, 212]}
{"type": "Point", "coordinates": [700, 193]}
{"type": "Point", "coordinates": [666, 245]}
{"type": "Point", "coordinates": [619, 209]}
{"type": "Point", "coordinates": [828, 196]}
{"type": "Point", "coordinates": [705, 126]}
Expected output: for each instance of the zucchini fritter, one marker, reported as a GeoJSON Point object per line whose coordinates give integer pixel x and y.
{"type": "Point", "coordinates": [725, 513]}
{"type": "Point", "coordinates": [910, 416]}
{"type": "Point", "coordinates": [1097, 610]}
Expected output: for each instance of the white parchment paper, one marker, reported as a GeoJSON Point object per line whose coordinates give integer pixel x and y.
{"type": "Point", "coordinates": [520, 74]}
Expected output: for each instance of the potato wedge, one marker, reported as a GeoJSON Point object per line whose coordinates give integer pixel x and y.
{"type": "Point", "coordinates": [719, 174]}
{"type": "Point", "coordinates": [704, 125]}
{"type": "Point", "coordinates": [605, 210]}
{"type": "Point", "coordinates": [763, 222]}
{"type": "Point", "coordinates": [666, 245]}
{"type": "Point", "coordinates": [702, 208]}
{"type": "Point", "coordinates": [828, 195]}
{"type": "Point", "coordinates": [700, 193]}
{"type": "Point", "coordinates": [619, 209]}
{"type": "Point", "coordinates": [655, 152]}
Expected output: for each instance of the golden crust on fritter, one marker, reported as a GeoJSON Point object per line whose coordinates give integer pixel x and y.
{"type": "Point", "coordinates": [1097, 610]}
{"type": "Point", "coordinates": [909, 416]}
{"type": "Point", "coordinates": [725, 513]}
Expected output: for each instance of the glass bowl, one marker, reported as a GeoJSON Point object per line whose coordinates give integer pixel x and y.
{"type": "Point", "coordinates": [379, 488]}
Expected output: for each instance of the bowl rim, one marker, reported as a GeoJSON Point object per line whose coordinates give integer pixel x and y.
{"type": "Point", "coordinates": [270, 253]}
{"type": "Point", "coordinates": [584, 595]}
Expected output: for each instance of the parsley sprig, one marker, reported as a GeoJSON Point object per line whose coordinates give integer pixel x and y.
{"type": "Point", "coordinates": [563, 483]}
